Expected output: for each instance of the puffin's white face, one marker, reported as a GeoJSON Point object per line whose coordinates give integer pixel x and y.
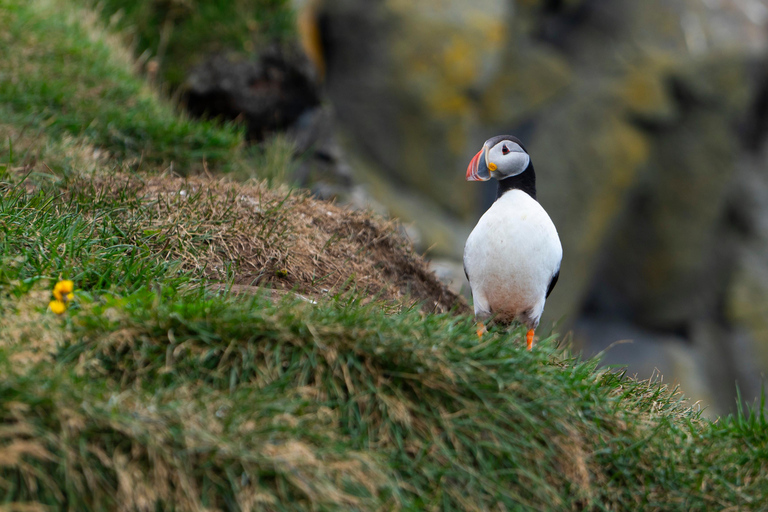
{"type": "Point", "coordinates": [500, 158]}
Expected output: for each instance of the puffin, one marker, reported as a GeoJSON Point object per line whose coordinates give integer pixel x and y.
{"type": "Point", "coordinates": [512, 256]}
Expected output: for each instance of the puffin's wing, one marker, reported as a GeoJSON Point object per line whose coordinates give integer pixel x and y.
{"type": "Point", "coordinates": [553, 282]}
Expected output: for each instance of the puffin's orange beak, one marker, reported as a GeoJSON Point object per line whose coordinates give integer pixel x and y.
{"type": "Point", "coordinates": [478, 170]}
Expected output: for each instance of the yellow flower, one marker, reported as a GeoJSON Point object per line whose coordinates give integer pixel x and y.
{"type": "Point", "coordinates": [63, 290]}
{"type": "Point", "coordinates": [63, 293]}
{"type": "Point", "coordinates": [57, 306]}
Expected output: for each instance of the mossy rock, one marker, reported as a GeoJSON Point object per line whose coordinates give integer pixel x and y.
{"type": "Point", "coordinates": [532, 76]}
{"type": "Point", "coordinates": [666, 249]}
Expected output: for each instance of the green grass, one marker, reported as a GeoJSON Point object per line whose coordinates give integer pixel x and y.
{"type": "Point", "coordinates": [46, 238]}
{"type": "Point", "coordinates": [339, 403]}
{"type": "Point", "coordinates": [153, 392]}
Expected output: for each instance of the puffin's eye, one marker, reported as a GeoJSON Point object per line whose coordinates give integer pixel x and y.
{"type": "Point", "coordinates": [504, 149]}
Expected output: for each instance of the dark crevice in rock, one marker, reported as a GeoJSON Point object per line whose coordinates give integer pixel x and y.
{"type": "Point", "coordinates": [562, 22]}
{"type": "Point", "coordinates": [687, 98]}
{"type": "Point", "coordinates": [738, 219]}
{"type": "Point", "coordinates": [276, 93]}
{"type": "Point", "coordinates": [270, 94]}
{"type": "Point", "coordinates": [755, 128]}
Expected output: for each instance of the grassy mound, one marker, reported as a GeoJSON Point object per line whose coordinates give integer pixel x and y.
{"type": "Point", "coordinates": [161, 389]}
{"type": "Point", "coordinates": [249, 235]}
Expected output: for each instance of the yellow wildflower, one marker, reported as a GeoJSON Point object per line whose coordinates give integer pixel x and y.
{"type": "Point", "coordinates": [63, 290]}
{"type": "Point", "coordinates": [57, 306]}
{"type": "Point", "coordinates": [63, 293]}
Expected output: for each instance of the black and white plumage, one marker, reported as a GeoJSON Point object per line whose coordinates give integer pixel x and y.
{"type": "Point", "coordinates": [512, 257]}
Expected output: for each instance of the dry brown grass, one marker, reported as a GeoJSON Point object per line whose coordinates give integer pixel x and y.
{"type": "Point", "coordinates": [253, 237]}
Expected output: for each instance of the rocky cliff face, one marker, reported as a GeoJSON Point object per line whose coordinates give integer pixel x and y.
{"type": "Point", "coordinates": [646, 121]}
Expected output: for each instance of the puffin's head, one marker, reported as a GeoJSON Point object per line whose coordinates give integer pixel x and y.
{"type": "Point", "coordinates": [501, 157]}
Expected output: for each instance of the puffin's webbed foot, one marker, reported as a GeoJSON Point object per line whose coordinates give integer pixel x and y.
{"type": "Point", "coordinates": [481, 330]}
{"type": "Point", "coordinates": [529, 339]}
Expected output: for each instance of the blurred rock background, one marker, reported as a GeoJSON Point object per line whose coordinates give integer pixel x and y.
{"type": "Point", "coordinates": [646, 119]}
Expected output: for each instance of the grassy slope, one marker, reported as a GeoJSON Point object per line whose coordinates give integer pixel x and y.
{"type": "Point", "coordinates": [151, 391]}
{"type": "Point", "coordinates": [67, 78]}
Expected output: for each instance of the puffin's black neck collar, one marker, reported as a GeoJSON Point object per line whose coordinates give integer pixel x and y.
{"type": "Point", "coordinates": [525, 181]}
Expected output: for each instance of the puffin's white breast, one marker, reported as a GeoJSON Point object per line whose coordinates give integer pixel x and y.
{"type": "Point", "coordinates": [511, 256]}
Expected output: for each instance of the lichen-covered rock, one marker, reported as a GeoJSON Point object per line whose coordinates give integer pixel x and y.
{"type": "Point", "coordinates": [665, 264]}
{"type": "Point", "coordinates": [583, 185]}
{"type": "Point", "coordinates": [532, 76]}
{"type": "Point", "coordinates": [746, 297]}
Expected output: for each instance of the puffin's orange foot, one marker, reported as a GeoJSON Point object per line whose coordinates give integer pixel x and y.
{"type": "Point", "coordinates": [529, 339]}
{"type": "Point", "coordinates": [481, 330]}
